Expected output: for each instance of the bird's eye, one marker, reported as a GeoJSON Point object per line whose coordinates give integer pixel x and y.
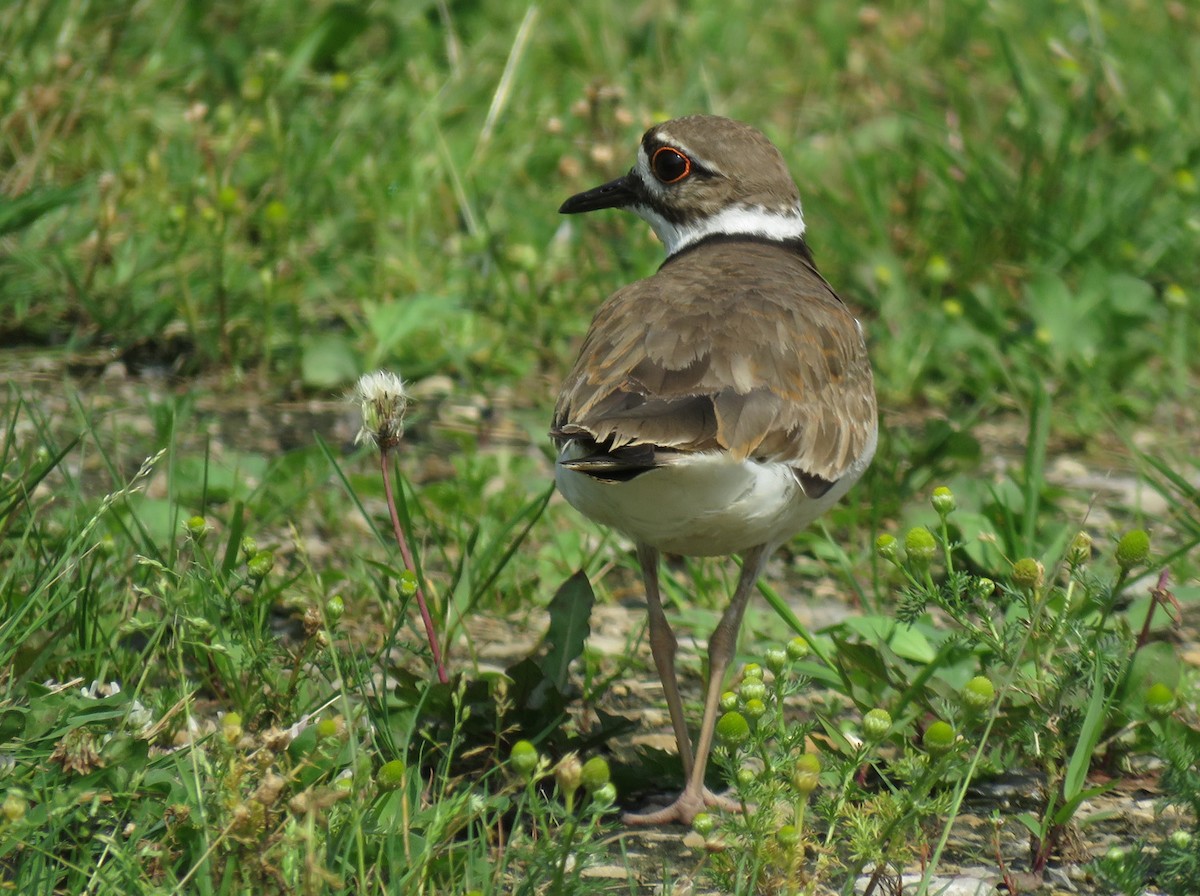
{"type": "Point", "coordinates": [670, 165]}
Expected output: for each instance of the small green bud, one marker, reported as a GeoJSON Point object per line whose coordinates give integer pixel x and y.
{"type": "Point", "coordinates": [1133, 549]}
{"type": "Point", "coordinates": [569, 773]}
{"type": "Point", "coordinates": [524, 758]}
{"type": "Point", "coordinates": [330, 728]}
{"type": "Point", "coordinates": [1181, 839]}
{"type": "Point", "coordinates": [335, 608]}
{"type": "Point", "coordinates": [605, 794]}
{"type": "Point", "coordinates": [745, 776]}
{"type": "Point", "coordinates": [982, 588]}
{"type": "Point", "coordinates": [776, 659]}
{"type": "Point", "coordinates": [729, 701]}
{"type": "Point", "coordinates": [704, 824]}
{"type": "Point", "coordinates": [939, 738]}
{"type": "Point", "coordinates": [595, 774]}
{"type": "Point", "coordinates": [14, 807]}
{"type": "Point", "coordinates": [231, 727]}
{"type": "Point", "coordinates": [1080, 551]}
{"type": "Point", "coordinates": [408, 583]}
{"type": "Point", "coordinates": [390, 775]}
{"type": "Point", "coordinates": [276, 214]}
{"type": "Point", "coordinates": [248, 546]}
{"type": "Point", "coordinates": [937, 269]}
{"type": "Point", "coordinates": [1115, 854]}
{"type": "Point", "coordinates": [876, 724]}
{"type": "Point", "coordinates": [753, 689]}
{"type": "Point", "coordinates": [1028, 574]}
{"type": "Point", "coordinates": [260, 564]}
{"type": "Point", "coordinates": [1160, 700]}
{"type": "Point", "coordinates": [920, 546]}
{"type": "Point", "coordinates": [197, 527]}
{"type": "Point", "coordinates": [228, 198]}
{"type": "Point", "coordinates": [755, 708]}
{"type": "Point", "coordinates": [806, 773]}
{"type": "Point", "coordinates": [797, 649]}
{"type": "Point", "coordinates": [787, 836]}
{"type": "Point", "coordinates": [733, 730]}
{"type": "Point", "coordinates": [886, 547]}
{"type": "Point", "coordinates": [752, 672]}
{"type": "Point", "coordinates": [978, 694]}
{"type": "Point", "coordinates": [943, 501]}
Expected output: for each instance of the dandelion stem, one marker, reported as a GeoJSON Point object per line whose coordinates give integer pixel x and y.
{"type": "Point", "coordinates": [406, 554]}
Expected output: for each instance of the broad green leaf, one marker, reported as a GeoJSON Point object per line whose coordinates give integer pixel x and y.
{"type": "Point", "coordinates": [570, 612]}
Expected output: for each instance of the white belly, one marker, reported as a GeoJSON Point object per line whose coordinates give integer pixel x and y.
{"type": "Point", "coordinates": [704, 505]}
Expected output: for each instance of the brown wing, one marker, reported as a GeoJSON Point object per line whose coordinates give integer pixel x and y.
{"type": "Point", "coordinates": [740, 346]}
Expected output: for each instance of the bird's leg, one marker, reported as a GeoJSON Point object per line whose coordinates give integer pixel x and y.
{"type": "Point", "coordinates": [721, 647]}
{"type": "Point", "coordinates": [663, 647]}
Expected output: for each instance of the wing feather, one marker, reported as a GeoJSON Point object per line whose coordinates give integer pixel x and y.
{"type": "Point", "coordinates": [737, 346]}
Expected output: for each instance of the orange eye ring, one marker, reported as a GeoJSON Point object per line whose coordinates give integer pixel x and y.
{"type": "Point", "coordinates": [670, 165]}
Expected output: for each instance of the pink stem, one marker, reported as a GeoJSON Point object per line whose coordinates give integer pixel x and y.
{"type": "Point", "coordinates": [430, 633]}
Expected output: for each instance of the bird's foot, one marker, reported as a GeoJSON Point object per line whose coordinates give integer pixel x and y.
{"type": "Point", "coordinates": [686, 807]}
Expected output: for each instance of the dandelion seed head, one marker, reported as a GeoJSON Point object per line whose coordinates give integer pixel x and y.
{"type": "Point", "coordinates": [383, 401]}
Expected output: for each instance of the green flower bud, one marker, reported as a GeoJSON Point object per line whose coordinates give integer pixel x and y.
{"type": "Point", "coordinates": [797, 649]}
{"type": "Point", "coordinates": [390, 775]}
{"type": "Point", "coordinates": [231, 727]}
{"type": "Point", "coordinates": [943, 501]}
{"type": "Point", "coordinates": [876, 724]}
{"type": "Point", "coordinates": [330, 728]}
{"type": "Point", "coordinates": [982, 588]}
{"type": "Point", "coordinates": [753, 689]}
{"type": "Point", "coordinates": [752, 672]}
{"type": "Point", "coordinates": [939, 738]}
{"type": "Point", "coordinates": [733, 730]}
{"type": "Point", "coordinates": [524, 758]}
{"type": "Point", "coordinates": [196, 527]}
{"type": "Point", "coordinates": [704, 824]}
{"type": "Point", "coordinates": [605, 794]}
{"type": "Point", "coordinates": [937, 269]}
{"type": "Point", "coordinates": [806, 773]}
{"type": "Point", "coordinates": [745, 776]}
{"type": "Point", "coordinates": [755, 708]}
{"type": "Point", "coordinates": [776, 659]}
{"type": "Point", "coordinates": [248, 546]}
{"type": "Point", "coordinates": [228, 198]}
{"type": "Point", "coordinates": [595, 774]}
{"type": "Point", "coordinates": [569, 774]}
{"type": "Point", "coordinates": [978, 694]}
{"type": "Point", "coordinates": [1080, 551]}
{"type": "Point", "coordinates": [260, 564]}
{"type": "Point", "coordinates": [1181, 839]}
{"type": "Point", "coordinates": [408, 583]}
{"type": "Point", "coordinates": [886, 547]}
{"type": "Point", "coordinates": [1160, 700]}
{"type": "Point", "coordinates": [14, 807]}
{"type": "Point", "coordinates": [729, 701]}
{"type": "Point", "coordinates": [335, 608]}
{"type": "Point", "coordinates": [1133, 549]}
{"type": "Point", "coordinates": [920, 546]}
{"type": "Point", "coordinates": [787, 836]}
{"type": "Point", "coordinates": [1028, 574]}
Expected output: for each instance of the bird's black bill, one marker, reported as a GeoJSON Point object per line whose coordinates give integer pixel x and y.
{"type": "Point", "coordinates": [614, 194]}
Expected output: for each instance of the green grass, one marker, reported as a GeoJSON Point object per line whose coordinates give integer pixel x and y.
{"type": "Point", "coordinates": [263, 201]}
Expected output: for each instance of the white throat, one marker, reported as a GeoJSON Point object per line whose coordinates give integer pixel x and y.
{"type": "Point", "coordinates": [747, 220]}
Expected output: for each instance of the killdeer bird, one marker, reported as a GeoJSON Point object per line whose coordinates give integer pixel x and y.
{"type": "Point", "coordinates": [722, 404]}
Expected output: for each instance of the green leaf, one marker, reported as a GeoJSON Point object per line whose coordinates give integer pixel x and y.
{"type": "Point", "coordinates": [23, 210]}
{"type": "Point", "coordinates": [1089, 736]}
{"type": "Point", "coordinates": [570, 611]}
